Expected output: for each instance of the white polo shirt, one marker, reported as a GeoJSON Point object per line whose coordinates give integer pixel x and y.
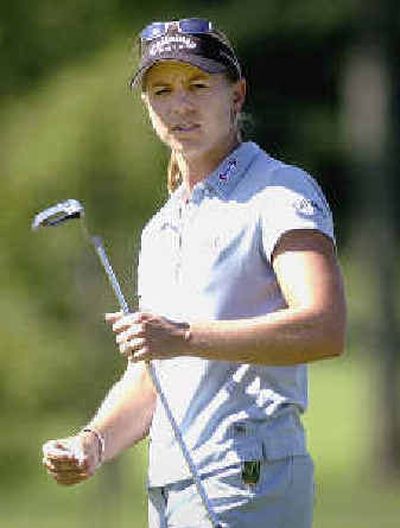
{"type": "Point", "coordinates": [210, 259]}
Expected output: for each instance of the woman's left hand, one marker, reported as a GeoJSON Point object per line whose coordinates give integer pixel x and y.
{"type": "Point", "coordinates": [144, 336]}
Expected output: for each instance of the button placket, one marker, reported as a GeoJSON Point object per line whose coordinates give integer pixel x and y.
{"type": "Point", "coordinates": [182, 218]}
{"type": "Point", "coordinates": [186, 213]}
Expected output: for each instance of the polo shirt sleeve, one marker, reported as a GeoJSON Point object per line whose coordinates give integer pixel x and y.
{"type": "Point", "coordinates": [292, 200]}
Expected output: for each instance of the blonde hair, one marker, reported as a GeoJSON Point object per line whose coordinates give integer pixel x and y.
{"type": "Point", "coordinates": [174, 176]}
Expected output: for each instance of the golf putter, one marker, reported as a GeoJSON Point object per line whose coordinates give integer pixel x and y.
{"type": "Point", "coordinates": [72, 209]}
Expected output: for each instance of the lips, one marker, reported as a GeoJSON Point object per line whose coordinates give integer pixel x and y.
{"type": "Point", "coordinates": [187, 127]}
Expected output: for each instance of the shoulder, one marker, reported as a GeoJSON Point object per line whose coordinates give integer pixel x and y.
{"type": "Point", "coordinates": [268, 173]}
{"type": "Point", "coordinates": [274, 182]}
{"type": "Point", "coordinates": [289, 178]}
{"type": "Point", "coordinates": [285, 198]}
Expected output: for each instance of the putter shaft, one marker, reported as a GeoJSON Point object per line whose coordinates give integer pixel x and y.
{"type": "Point", "coordinates": [98, 245]}
{"type": "Point", "coordinates": [101, 252]}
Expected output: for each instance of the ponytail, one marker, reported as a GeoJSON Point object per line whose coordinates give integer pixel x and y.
{"type": "Point", "coordinates": [174, 177]}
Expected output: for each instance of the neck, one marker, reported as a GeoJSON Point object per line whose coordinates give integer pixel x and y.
{"type": "Point", "coordinates": [195, 168]}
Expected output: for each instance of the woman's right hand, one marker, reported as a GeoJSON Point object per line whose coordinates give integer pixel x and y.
{"type": "Point", "coordinates": [72, 460]}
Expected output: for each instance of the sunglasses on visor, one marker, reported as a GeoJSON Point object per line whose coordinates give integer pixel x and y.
{"type": "Point", "coordinates": [186, 25]}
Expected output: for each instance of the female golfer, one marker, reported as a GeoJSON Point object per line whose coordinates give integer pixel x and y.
{"type": "Point", "coordinates": [239, 289]}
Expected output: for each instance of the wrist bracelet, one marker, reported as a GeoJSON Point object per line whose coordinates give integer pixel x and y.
{"type": "Point", "coordinates": [187, 334]}
{"type": "Point", "coordinates": [100, 439]}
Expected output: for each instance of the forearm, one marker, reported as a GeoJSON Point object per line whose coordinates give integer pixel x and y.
{"type": "Point", "coordinates": [311, 327]}
{"type": "Point", "coordinates": [125, 415]}
{"type": "Point", "coordinates": [286, 337]}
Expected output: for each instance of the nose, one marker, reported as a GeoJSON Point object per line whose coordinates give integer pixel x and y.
{"type": "Point", "coordinates": [182, 100]}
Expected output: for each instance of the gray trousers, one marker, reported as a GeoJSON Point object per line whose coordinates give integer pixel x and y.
{"type": "Point", "coordinates": [282, 497]}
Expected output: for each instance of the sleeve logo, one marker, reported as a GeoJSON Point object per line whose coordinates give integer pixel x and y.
{"type": "Point", "coordinates": [309, 207]}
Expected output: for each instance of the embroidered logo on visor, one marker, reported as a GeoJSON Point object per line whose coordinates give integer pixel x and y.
{"type": "Point", "coordinates": [172, 43]}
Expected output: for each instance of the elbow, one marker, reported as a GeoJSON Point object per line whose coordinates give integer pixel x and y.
{"type": "Point", "coordinates": [334, 337]}
{"type": "Point", "coordinates": [326, 334]}
{"type": "Point", "coordinates": [337, 318]}
{"type": "Point", "coordinates": [335, 347]}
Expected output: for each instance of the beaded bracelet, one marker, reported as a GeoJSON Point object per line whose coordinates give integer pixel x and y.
{"type": "Point", "coordinates": [100, 439]}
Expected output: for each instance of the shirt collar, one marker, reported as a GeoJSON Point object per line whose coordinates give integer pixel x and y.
{"type": "Point", "coordinates": [227, 175]}
{"type": "Point", "coordinates": [232, 169]}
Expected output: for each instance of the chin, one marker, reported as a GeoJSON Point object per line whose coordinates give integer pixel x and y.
{"type": "Point", "coordinates": [189, 147]}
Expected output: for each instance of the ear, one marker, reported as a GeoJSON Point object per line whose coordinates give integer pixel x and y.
{"type": "Point", "coordinates": [239, 94]}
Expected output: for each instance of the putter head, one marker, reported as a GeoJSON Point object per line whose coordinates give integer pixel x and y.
{"type": "Point", "coordinates": [58, 213]}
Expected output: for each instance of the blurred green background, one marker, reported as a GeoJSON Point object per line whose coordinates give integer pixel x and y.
{"type": "Point", "coordinates": [324, 94]}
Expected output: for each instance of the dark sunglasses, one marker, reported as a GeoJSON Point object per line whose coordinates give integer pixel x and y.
{"type": "Point", "coordinates": [186, 25]}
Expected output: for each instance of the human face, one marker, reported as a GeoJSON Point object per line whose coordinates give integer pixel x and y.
{"type": "Point", "coordinates": [192, 111]}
